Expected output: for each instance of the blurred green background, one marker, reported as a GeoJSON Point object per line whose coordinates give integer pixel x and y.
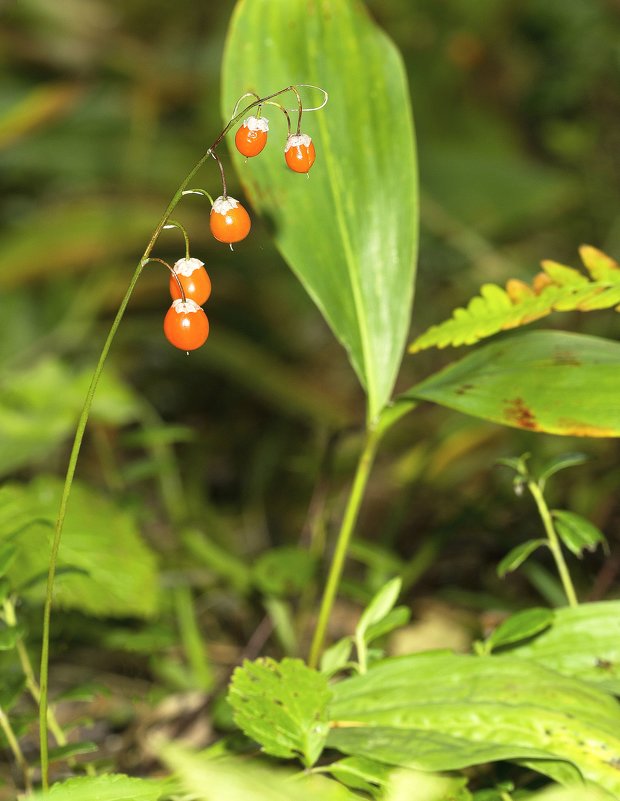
{"type": "Point", "coordinates": [104, 106]}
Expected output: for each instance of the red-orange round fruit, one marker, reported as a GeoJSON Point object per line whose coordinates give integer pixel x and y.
{"type": "Point", "coordinates": [299, 152]}
{"type": "Point", "coordinates": [251, 137]}
{"type": "Point", "coordinates": [186, 325]}
{"type": "Point", "coordinates": [229, 221]}
{"type": "Point", "coordinates": [193, 278]}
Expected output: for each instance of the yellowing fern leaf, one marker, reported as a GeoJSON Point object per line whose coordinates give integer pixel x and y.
{"type": "Point", "coordinates": [557, 288]}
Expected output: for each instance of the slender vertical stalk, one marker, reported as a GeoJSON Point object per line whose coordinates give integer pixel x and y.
{"type": "Point", "coordinates": [554, 542]}
{"type": "Point", "coordinates": [347, 527]}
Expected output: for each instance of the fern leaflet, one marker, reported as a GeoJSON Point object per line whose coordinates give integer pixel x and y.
{"type": "Point", "coordinates": [556, 288]}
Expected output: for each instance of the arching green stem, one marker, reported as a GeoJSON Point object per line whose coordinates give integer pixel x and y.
{"type": "Point", "coordinates": [73, 458]}
{"type": "Point", "coordinates": [83, 419]}
{"type": "Point", "coordinates": [347, 527]}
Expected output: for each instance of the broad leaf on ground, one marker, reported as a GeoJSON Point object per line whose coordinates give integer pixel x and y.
{"type": "Point", "coordinates": [440, 711]}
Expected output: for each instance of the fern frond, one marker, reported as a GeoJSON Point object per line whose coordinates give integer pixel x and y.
{"type": "Point", "coordinates": [557, 288]}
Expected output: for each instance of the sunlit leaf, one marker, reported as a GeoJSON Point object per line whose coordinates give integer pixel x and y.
{"type": "Point", "coordinates": [548, 381]}
{"type": "Point", "coordinates": [440, 711]}
{"type": "Point", "coordinates": [349, 231]}
{"type": "Point", "coordinates": [282, 705]}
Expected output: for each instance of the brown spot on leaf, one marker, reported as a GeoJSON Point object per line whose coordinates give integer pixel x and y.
{"type": "Point", "coordinates": [464, 389]}
{"type": "Point", "coordinates": [517, 413]}
{"type": "Point", "coordinates": [565, 357]}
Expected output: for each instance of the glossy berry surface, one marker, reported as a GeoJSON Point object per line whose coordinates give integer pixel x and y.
{"type": "Point", "coordinates": [194, 280]}
{"type": "Point", "coordinates": [299, 152]}
{"type": "Point", "coordinates": [251, 137]}
{"type": "Point", "coordinates": [186, 325]}
{"type": "Point", "coordinates": [229, 221]}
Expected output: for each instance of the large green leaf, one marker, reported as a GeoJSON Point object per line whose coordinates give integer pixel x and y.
{"type": "Point", "coordinates": [107, 568]}
{"type": "Point", "coordinates": [582, 642]}
{"type": "Point", "coordinates": [441, 711]}
{"type": "Point", "coordinates": [548, 381]}
{"type": "Point", "coordinates": [349, 232]}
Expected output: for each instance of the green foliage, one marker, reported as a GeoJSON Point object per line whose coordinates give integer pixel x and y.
{"type": "Point", "coordinates": [519, 627]}
{"type": "Point", "coordinates": [583, 642]}
{"type": "Point", "coordinates": [229, 780]}
{"type": "Point", "coordinates": [502, 383]}
{"type": "Point", "coordinates": [283, 571]}
{"type": "Point", "coordinates": [557, 288]}
{"type": "Point", "coordinates": [108, 568]}
{"type": "Point", "coordinates": [349, 232]}
{"type": "Point", "coordinates": [39, 405]}
{"type": "Point", "coordinates": [518, 555]}
{"type": "Point", "coordinates": [104, 788]}
{"type": "Point", "coordinates": [576, 532]}
{"type": "Point", "coordinates": [441, 711]}
{"type": "Point", "coordinates": [360, 773]}
{"type": "Point", "coordinates": [283, 706]}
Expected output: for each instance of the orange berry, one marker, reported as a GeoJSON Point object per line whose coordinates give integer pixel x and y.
{"type": "Point", "coordinates": [186, 325]}
{"type": "Point", "coordinates": [229, 221]}
{"type": "Point", "coordinates": [299, 152]}
{"type": "Point", "coordinates": [251, 137]}
{"type": "Point", "coordinates": [194, 280]}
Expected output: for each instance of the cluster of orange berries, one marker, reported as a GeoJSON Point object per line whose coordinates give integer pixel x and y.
{"type": "Point", "coordinates": [186, 325]}
{"type": "Point", "coordinates": [251, 138]}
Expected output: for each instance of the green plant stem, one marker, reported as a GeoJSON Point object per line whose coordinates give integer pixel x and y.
{"type": "Point", "coordinates": [5, 725]}
{"type": "Point", "coordinates": [75, 452]}
{"type": "Point", "coordinates": [349, 520]}
{"type": "Point", "coordinates": [28, 671]}
{"type": "Point", "coordinates": [81, 427]}
{"type": "Point", "coordinates": [554, 542]}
